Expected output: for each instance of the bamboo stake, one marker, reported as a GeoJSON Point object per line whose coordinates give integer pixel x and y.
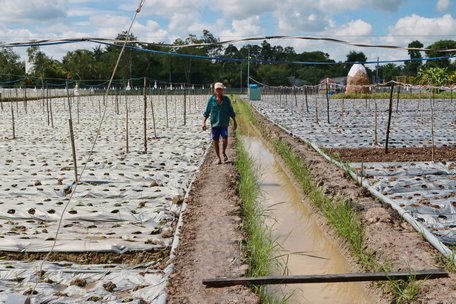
{"type": "Point", "coordinates": [25, 100]}
{"type": "Point", "coordinates": [50, 110]}
{"type": "Point", "coordinates": [307, 105]}
{"type": "Point", "coordinates": [432, 128]}
{"type": "Point", "coordinates": [166, 108]}
{"type": "Point", "coordinates": [397, 100]}
{"type": "Point", "coordinates": [153, 115]}
{"type": "Point", "coordinates": [12, 118]}
{"type": "Point", "coordinates": [126, 122]}
{"type": "Point", "coordinates": [327, 99]}
{"type": "Point", "coordinates": [73, 149]}
{"type": "Point", "coordinates": [375, 123]}
{"type": "Point", "coordinates": [185, 107]}
{"type": "Point", "coordinates": [77, 105]}
{"type": "Point", "coordinates": [145, 116]}
{"type": "Point", "coordinates": [389, 117]}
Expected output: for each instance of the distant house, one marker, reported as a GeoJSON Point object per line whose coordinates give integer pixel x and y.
{"type": "Point", "coordinates": [335, 84]}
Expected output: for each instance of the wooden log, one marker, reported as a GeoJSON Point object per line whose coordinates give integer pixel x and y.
{"type": "Point", "coordinates": [328, 278]}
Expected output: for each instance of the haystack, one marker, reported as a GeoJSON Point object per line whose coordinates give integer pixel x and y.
{"type": "Point", "coordinates": [357, 79]}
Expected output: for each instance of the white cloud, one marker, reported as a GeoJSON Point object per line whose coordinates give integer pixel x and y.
{"type": "Point", "coordinates": [387, 5]}
{"type": "Point", "coordinates": [422, 28]}
{"type": "Point", "coordinates": [242, 9]}
{"type": "Point", "coordinates": [242, 28]}
{"type": "Point", "coordinates": [443, 5]}
{"type": "Point", "coordinates": [24, 11]}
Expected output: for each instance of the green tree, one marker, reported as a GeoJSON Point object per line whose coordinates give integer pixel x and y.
{"type": "Point", "coordinates": [11, 68]}
{"type": "Point", "coordinates": [411, 67]}
{"type": "Point", "coordinates": [389, 71]}
{"type": "Point", "coordinates": [436, 51]}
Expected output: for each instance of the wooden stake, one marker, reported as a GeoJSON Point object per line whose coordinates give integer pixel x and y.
{"type": "Point", "coordinates": [389, 117]}
{"type": "Point", "coordinates": [73, 149]}
{"type": "Point", "coordinates": [126, 122]}
{"type": "Point", "coordinates": [145, 115]}
{"type": "Point", "coordinates": [327, 99]}
{"type": "Point", "coordinates": [12, 118]}
{"type": "Point", "coordinates": [153, 115]}
{"type": "Point", "coordinates": [166, 108]}
{"type": "Point", "coordinates": [185, 107]}
{"type": "Point", "coordinates": [50, 109]}
{"type": "Point", "coordinates": [307, 105]}
{"type": "Point", "coordinates": [375, 123]}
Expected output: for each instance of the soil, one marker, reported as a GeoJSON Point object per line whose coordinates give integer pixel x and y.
{"type": "Point", "coordinates": [394, 154]}
{"type": "Point", "coordinates": [83, 258]}
{"type": "Point", "coordinates": [211, 238]}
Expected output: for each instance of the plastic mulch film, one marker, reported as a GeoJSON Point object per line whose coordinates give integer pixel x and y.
{"type": "Point", "coordinates": [425, 189]}
{"type": "Point", "coordinates": [352, 122]}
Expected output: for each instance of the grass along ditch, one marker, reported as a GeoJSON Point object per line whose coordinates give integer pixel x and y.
{"type": "Point", "coordinates": [347, 218]}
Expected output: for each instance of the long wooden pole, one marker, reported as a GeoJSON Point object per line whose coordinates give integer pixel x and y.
{"type": "Point", "coordinates": [328, 278]}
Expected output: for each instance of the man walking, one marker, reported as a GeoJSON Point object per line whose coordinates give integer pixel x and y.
{"type": "Point", "coordinates": [220, 110]}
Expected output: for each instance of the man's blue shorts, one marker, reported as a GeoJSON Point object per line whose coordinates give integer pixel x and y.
{"type": "Point", "coordinates": [219, 131]}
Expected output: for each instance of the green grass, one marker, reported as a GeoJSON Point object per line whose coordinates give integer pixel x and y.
{"type": "Point", "coordinates": [259, 246]}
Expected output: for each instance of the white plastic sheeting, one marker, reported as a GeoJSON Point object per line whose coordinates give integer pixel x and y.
{"type": "Point", "coordinates": [352, 122]}
{"type": "Point", "coordinates": [425, 189]}
{"type": "Point", "coordinates": [71, 283]}
{"type": "Point", "coordinates": [124, 202]}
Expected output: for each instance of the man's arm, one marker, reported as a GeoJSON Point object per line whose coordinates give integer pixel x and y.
{"type": "Point", "coordinates": [206, 113]}
{"type": "Point", "coordinates": [234, 123]}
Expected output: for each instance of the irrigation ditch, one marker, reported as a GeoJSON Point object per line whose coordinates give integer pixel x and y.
{"type": "Point", "coordinates": [377, 237]}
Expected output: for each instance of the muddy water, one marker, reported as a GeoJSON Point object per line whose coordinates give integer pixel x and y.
{"type": "Point", "coordinates": [306, 249]}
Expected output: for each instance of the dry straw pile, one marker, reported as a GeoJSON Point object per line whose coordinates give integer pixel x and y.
{"type": "Point", "coordinates": [357, 80]}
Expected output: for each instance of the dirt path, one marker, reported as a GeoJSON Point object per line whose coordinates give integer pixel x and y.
{"type": "Point", "coordinates": [211, 238]}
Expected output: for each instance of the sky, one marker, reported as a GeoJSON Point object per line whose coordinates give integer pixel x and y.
{"type": "Point", "coordinates": [391, 22]}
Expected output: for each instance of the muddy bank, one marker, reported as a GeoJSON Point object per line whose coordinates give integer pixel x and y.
{"type": "Point", "coordinates": [390, 238]}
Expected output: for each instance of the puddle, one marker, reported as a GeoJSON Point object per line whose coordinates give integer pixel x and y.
{"type": "Point", "coordinates": [296, 230]}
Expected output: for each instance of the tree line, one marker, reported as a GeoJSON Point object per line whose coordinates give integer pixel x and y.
{"type": "Point", "coordinates": [270, 64]}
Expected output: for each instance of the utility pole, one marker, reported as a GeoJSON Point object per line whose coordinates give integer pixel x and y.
{"type": "Point", "coordinates": [376, 71]}
{"type": "Point", "coordinates": [248, 73]}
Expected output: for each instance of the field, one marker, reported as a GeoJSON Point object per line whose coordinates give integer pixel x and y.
{"type": "Point", "coordinates": [111, 233]}
{"type": "Point", "coordinates": [417, 175]}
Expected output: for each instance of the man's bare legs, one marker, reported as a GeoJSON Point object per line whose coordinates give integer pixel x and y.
{"type": "Point", "coordinates": [217, 150]}
{"type": "Point", "coordinates": [225, 144]}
